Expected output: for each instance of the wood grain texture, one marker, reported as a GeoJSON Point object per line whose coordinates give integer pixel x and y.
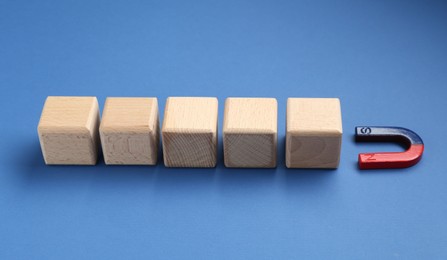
{"type": "Point", "coordinates": [129, 131]}
{"type": "Point", "coordinates": [314, 133]}
{"type": "Point", "coordinates": [250, 132]}
{"type": "Point", "coordinates": [189, 132]}
{"type": "Point", "coordinates": [68, 130]}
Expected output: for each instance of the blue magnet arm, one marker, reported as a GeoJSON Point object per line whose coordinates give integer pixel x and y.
{"type": "Point", "coordinates": [386, 134]}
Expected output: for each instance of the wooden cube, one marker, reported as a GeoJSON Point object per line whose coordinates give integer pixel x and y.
{"type": "Point", "coordinates": [130, 131]}
{"type": "Point", "coordinates": [68, 130]}
{"type": "Point", "coordinates": [190, 132]}
{"type": "Point", "coordinates": [250, 132]}
{"type": "Point", "coordinates": [314, 133]}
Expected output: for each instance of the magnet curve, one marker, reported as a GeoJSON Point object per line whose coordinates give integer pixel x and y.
{"type": "Point", "coordinates": [384, 160]}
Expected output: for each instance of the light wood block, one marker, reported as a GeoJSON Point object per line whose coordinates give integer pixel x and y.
{"type": "Point", "coordinates": [130, 131]}
{"type": "Point", "coordinates": [190, 132]}
{"type": "Point", "coordinates": [68, 130]}
{"type": "Point", "coordinates": [314, 133]}
{"type": "Point", "coordinates": [250, 132]}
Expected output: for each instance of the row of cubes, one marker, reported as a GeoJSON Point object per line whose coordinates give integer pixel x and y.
{"type": "Point", "coordinates": [70, 131]}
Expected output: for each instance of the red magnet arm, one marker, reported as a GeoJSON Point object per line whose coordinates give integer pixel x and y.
{"type": "Point", "coordinates": [390, 159]}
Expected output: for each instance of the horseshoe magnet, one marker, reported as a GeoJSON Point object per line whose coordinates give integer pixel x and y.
{"type": "Point", "coordinates": [389, 159]}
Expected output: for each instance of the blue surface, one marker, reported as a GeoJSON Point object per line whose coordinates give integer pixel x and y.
{"type": "Point", "coordinates": [386, 60]}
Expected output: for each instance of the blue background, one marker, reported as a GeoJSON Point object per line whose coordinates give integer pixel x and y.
{"type": "Point", "coordinates": [386, 60]}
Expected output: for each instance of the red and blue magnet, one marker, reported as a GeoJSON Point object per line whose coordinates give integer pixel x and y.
{"type": "Point", "coordinates": [386, 160]}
